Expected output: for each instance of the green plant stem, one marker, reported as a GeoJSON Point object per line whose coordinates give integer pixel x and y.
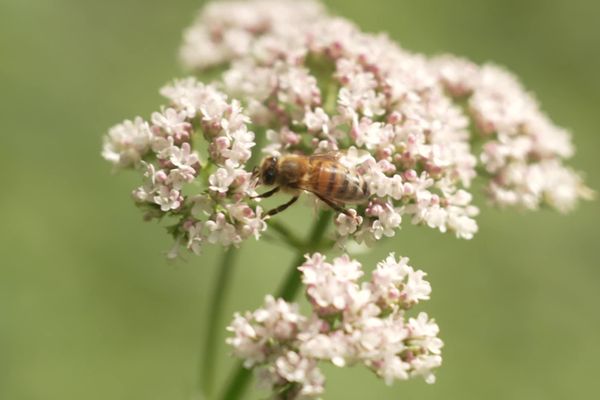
{"type": "Point", "coordinates": [331, 98]}
{"type": "Point", "coordinates": [286, 234]}
{"type": "Point", "coordinates": [291, 284]}
{"type": "Point", "coordinates": [288, 291]}
{"type": "Point", "coordinates": [220, 288]}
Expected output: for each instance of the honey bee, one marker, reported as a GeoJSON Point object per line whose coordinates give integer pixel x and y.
{"type": "Point", "coordinates": [320, 174]}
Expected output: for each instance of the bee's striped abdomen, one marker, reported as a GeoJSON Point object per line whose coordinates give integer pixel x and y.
{"type": "Point", "coordinates": [325, 178]}
{"type": "Point", "coordinates": [335, 182]}
{"type": "Point", "coordinates": [352, 190]}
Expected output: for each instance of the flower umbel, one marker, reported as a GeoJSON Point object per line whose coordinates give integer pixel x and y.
{"type": "Point", "coordinates": [522, 150]}
{"type": "Point", "coordinates": [292, 80]}
{"type": "Point", "coordinates": [307, 83]}
{"type": "Point", "coordinates": [351, 323]}
{"type": "Point", "coordinates": [208, 196]}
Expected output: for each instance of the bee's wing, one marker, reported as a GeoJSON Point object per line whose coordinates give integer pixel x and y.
{"type": "Point", "coordinates": [304, 185]}
{"type": "Point", "coordinates": [329, 156]}
{"type": "Point", "coordinates": [335, 204]}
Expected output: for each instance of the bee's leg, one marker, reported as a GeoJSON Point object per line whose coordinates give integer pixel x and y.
{"type": "Point", "coordinates": [333, 205]}
{"type": "Point", "coordinates": [282, 207]}
{"type": "Point", "coordinates": [266, 194]}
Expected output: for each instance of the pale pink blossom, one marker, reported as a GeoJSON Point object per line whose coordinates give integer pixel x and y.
{"type": "Point", "coordinates": [351, 323]}
{"type": "Point", "coordinates": [317, 120]}
{"type": "Point", "coordinates": [297, 80]}
{"type": "Point", "coordinates": [348, 224]}
{"type": "Point", "coordinates": [168, 198]}
{"type": "Point", "coordinates": [171, 165]}
{"type": "Point", "coordinates": [330, 286]}
{"type": "Point", "coordinates": [524, 149]}
{"type": "Point", "coordinates": [195, 237]}
{"type": "Point", "coordinates": [127, 143]}
{"type": "Point", "coordinates": [220, 231]}
{"type": "Point", "coordinates": [226, 30]}
{"type": "Point", "coordinates": [396, 282]}
{"type": "Point", "coordinates": [171, 122]}
{"type": "Point", "coordinates": [225, 177]}
{"type": "Point", "coordinates": [316, 83]}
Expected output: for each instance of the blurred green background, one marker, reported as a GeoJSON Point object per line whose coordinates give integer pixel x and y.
{"type": "Point", "coordinates": [90, 309]}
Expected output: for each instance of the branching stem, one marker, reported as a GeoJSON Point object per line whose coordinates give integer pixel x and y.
{"type": "Point", "coordinates": [287, 291]}
{"type": "Point", "coordinates": [217, 302]}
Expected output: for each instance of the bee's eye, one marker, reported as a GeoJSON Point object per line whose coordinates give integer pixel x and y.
{"type": "Point", "coordinates": [269, 176]}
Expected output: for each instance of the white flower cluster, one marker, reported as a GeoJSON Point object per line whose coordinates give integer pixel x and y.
{"type": "Point", "coordinates": [316, 83]}
{"type": "Point", "coordinates": [225, 31]}
{"type": "Point", "coordinates": [208, 198]}
{"type": "Point", "coordinates": [312, 83]}
{"type": "Point", "coordinates": [523, 149]}
{"type": "Point", "coordinates": [350, 323]}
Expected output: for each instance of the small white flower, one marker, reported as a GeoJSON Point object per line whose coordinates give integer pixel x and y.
{"type": "Point", "coordinates": [224, 177]}
{"type": "Point", "coordinates": [171, 122]}
{"type": "Point", "coordinates": [563, 187]}
{"type": "Point", "coordinates": [222, 232]}
{"type": "Point", "coordinates": [168, 198]}
{"type": "Point", "coordinates": [292, 367]}
{"type": "Point", "coordinates": [185, 94]}
{"type": "Point", "coordinates": [317, 120]}
{"type": "Point", "coordinates": [392, 368]}
{"type": "Point", "coordinates": [334, 346]}
{"type": "Point", "coordinates": [388, 219]}
{"type": "Point", "coordinates": [424, 331]}
{"type": "Point", "coordinates": [330, 286]}
{"type": "Point", "coordinates": [246, 343]}
{"type": "Point", "coordinates": [126, 143]}
{"type": "Point", "coordinates": [348, 224]}
{"type": "Point", "coordinates": [250, 223]}
{"type": "Point", "coordinates": [240, 150]}
{"type": "Point", "coordinates": [397, 282]}
{"type": "Point", "coordinates": [195, 237]}
{"type": "Point", "coordinates": [184, 157]}
{"type": "Point", "coordinates": [145, 193]}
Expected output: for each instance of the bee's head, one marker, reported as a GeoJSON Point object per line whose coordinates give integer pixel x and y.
{"type": "Point", "coordinates": [267, 172]}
